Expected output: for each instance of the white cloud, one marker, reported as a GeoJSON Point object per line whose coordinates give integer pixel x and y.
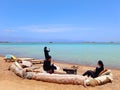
{"type": "Point", "coordinates": [46, 29]}
{"type": "Point", "coordinates": [9, 30]}
{"type": "Point", "coordinates": [49, 28]}
{"type": "Point", "coordinates": [53, 28]}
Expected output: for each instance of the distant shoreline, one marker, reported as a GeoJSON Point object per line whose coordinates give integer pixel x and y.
{"type": "Point", "coordinates": [69, 42]}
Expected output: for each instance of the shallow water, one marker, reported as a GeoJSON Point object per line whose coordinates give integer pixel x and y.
{"type": "Point", "coordinates": [79, 53]}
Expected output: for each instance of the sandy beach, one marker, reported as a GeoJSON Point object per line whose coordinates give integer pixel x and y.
{"type": "Point", "coordinates": [9, 81]}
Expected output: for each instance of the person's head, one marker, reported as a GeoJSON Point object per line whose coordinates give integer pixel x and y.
{"type": "Point", "coordinates": [45, 48]}
{"type": "Point", "coordinates": [100, 63]}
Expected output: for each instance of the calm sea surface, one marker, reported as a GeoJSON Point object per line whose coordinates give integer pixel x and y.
{"type": "Point", "coordinates": [85, 54]}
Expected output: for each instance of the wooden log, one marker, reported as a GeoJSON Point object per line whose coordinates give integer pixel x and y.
{"type": "Point", "coordinates": [60, 78]}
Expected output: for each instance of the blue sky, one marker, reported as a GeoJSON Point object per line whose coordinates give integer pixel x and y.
{"type": "Point", "coordinates": [59, 20]}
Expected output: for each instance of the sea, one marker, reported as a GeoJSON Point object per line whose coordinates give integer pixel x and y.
{"type": "Point", "coordinates": [76, 53]}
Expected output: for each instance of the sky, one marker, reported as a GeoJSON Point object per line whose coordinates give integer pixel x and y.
{"type": "Point", "coordinates": [60, 20]}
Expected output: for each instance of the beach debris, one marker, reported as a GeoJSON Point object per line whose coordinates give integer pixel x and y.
{"type": "Point", "coordinates": [37, 61]}
{"type": "Point", "coordinates": [26, 63]}
{"type": "Point", "coordinates": [12, 58]}
{"type": "Point", "coordinates": [75, 66]}
{"type": "Point", "coordinates": [70, 70]}
{"type": "Point", "coordinates": [63, 78]}
{"type": "Point", "coordinates": [60, 78]}
{"type": "Point", "coordinates": [105, 77]}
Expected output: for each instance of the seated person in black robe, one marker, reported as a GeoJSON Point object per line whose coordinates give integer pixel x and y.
{"type": "Point", "coordinates": [96, 72]}
{"type": "Point", "coordinates": [48, 67]}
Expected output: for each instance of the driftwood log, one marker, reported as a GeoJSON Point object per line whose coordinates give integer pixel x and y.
{"type": "Point", "coordinates": [61, 78]}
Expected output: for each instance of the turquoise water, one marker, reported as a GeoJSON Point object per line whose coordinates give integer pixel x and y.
{"type": "Point", "coordinates": [85, 54]}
